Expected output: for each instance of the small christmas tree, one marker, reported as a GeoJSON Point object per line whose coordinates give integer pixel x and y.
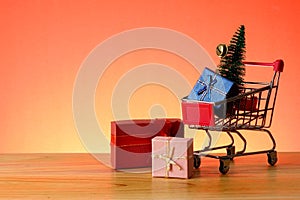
{"type": "Point", "coordinates": [231, 65]}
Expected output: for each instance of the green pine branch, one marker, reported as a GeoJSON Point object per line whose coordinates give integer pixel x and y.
{"type": "Point", "coordinates": [231, 66]}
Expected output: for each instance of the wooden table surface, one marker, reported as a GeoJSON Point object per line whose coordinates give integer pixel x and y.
{"type": "Point", "coordinates": [81, 176]}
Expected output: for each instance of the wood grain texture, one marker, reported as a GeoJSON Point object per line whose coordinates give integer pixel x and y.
{"type": "Point", "coordinates": [81, 176]}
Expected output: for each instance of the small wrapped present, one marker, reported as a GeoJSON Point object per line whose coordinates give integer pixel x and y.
{"type": "Point", "coordinates": [197, 113]}
{"type": "Point", "coordinates": [131, 140]}
{"type": "Point", "coordinates": [247, 104]}
{"type": "Point", "coordinates": [172, 157]}
{"type": "Point", "coordinates": [212, 87]}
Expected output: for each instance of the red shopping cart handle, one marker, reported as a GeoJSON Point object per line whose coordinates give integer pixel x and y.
{"type": "Point", "coordinates": [277, 65]}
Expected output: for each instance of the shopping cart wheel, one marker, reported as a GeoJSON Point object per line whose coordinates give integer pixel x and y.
{"type": "Point", "coordinates": [230, 152]}
{"type": "Point", "coordinates": [197, 161]}
{"type": "Point", "coordinates": [272, 158]}
{"type": "Point", "coordinates": [224, 165]}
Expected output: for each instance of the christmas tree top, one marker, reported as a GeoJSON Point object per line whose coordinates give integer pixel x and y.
{"type": "Point", "coordinates": [231, 65]}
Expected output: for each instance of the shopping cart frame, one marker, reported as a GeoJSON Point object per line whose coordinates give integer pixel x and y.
{"type": "Point", "coordinates": [252, 109]}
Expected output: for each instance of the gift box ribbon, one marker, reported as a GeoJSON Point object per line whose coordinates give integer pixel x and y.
{"type": "Point", "coordinates": [169, 158]}
{"type": "Point", "coordinates": [206, 90]}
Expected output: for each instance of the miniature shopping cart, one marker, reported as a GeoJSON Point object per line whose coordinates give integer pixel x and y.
{"type": "Point", "coordinates": [251, 110]}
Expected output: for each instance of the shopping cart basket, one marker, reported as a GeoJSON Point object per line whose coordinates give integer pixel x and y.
{"type": "Point", "coordinates": [251, 110]}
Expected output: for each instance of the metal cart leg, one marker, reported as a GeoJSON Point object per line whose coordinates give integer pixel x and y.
{"type": "Point", "coordinates": [244, 141]}
{"type": "Point", "coordinates": [229, 148]}
{"type": "Point", "coordinates": [209, 148]}
{"type": "Point", "coordinates": [230, 152]}
{"type": "Point", "coordinates": [271, 153]}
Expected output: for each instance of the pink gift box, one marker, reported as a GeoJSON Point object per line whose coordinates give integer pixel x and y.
{"type": "Point", "coordinates": [172, 157]}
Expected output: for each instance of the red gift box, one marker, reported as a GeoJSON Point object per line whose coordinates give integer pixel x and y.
{"type": "Point", "coordinates": [198, 113]}
{"type": "Point", "coordinates": [248, 104]}
{"type": "Point", "coordinates": [131, 140]}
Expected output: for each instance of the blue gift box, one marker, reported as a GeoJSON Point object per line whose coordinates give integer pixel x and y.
{"type": "Point", "coordinates": [212, 87]}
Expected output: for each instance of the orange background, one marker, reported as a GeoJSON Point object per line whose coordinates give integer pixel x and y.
{"type": "Point", "coordinates": [43, 44]}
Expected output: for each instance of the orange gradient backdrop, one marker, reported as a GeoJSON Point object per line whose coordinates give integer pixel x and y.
{"type": "Point", "coordinates": [43, 44]}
